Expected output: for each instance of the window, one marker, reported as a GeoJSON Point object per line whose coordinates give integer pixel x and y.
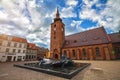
{"type": "Point", "coordinates": [117, 50]}
{"type": "Point", "coordinates": [7, 49]}
{"type": "Point", "coordinates": [62, 29]}
{"type": "Point", "coordinates": [75, 41]}
{"type": "Point", "coordinates": [24, 46]}
{"type": "Point", "coordinates": [84, 52]}
{"type": "Point", "coordinates": [54, 37]}
{"type": "Point", "coordinates": [8, 43]}
{"type": "Point", "coordinates": [14, 50]}
{"type": "Point", "coordinates": [20, 45]}
{"type": "Point", "coordinates": [15, 44]}
{"type": "Point", "coordinates": [23, 57]}
{"type": "Point", "coordinates": [23, 51]}
{"type": "Point", "coordinates": [73, 52]}
{"type": "Point", "coordinates": [19, 51]}
{"type": "Point", "coordinates": [54, 27]}
{"type": "Point", "coordinates": [66, 42]}
{"type": "Point", "coordinates": [97, 51]}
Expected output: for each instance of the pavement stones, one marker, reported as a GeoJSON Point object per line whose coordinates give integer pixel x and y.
{"type": "Point", "coordinates": [99, 70]}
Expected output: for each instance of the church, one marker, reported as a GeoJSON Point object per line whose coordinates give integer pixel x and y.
{"type": "Point", "coordinates": [94, 44]}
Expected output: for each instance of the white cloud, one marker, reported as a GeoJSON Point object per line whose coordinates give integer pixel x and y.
{"type": "Point", "coordinates": [68, 12]}
{"type": "Point", "coordinates": [89, 3]}
{"type": "Point", "coordinates": [3, 16]}
{"type": "Point", "coordinates": [72, 2]}
{"type": "Point", "coordinates": [108, 17]}
{"type": "Point", "coordinates": [75, 23]}
{"type": "Point", "coordinates": [15, 20]}
{"type": "Point", "coordinates": [91, 14]}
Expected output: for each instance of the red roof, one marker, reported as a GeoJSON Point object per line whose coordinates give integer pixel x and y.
{"type": "Point", "coordinates": [18, 39]}
{"type": "Point", "coordinates": [115, 37]}
{"type": "Point", "coordinates": [2, 36]}
{"type": "Point", "coordinates": [90, 37]}
{"type": "Point", "coordinates": [31, 46]}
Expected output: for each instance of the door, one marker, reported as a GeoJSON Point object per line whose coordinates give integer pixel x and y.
{"type": "Point", "coordinates": [56, 56]}
{"type": "Point", "coordinates": [9, 58]}
{"type": "Point", "coordinates": [14, 59]}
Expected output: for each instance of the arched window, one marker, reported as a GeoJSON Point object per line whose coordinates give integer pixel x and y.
{"type": "Point", "coordinates": [84, 52]}
{"type": "Point", "coordinates": [54, 37]}
{"type": "Point", "coordinates": [65, 52]}
{"type": "Point", "coordinates": [62, 29]}
{"type": "Point", "coordinates": [73, 52]}
{"type": "Point", "coordinates": [54, 27]}
{"type": "Point", "coordinates": [97, 51]}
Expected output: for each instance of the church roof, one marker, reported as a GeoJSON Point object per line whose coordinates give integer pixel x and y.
{"type": "Point", "coordinates": [115, 37]}
{"type": "Point", "coordinates": [90, 37]}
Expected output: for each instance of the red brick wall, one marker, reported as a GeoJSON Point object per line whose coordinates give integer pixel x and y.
{"type": "Point", "coordinates": [104, 49]}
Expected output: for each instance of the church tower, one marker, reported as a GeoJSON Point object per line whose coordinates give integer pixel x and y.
{"type": "Point", "coordinates": [57, 36]}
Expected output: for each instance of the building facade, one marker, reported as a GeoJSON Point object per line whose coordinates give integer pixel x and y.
{"type": "Point", "coordinates": [93, 44]}
{"type": "Point", "coordinates": [12, 48]}
{"type": "Point", "coordinates": [31, 52]}
{"type": "Point", "coordinates": [41, 52]}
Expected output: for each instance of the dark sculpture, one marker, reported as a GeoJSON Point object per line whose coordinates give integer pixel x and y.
{"type": "Point", "coordinates": [63, 62]}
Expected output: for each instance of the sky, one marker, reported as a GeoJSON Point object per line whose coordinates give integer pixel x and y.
{"type": "Point", "coordinates": [31, 19]}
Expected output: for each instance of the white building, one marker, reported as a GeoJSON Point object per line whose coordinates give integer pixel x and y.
{"type": "Point", "coordinates": [12, 48]}
{"type": "Point", "coordinates": [31, 52]}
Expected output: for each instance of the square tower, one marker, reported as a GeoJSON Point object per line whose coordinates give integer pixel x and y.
{"type": "Point", "coordinates": [57, 37]}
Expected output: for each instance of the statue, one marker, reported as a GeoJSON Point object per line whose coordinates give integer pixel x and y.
{"type": "Point", "coordinates": [63, 62]}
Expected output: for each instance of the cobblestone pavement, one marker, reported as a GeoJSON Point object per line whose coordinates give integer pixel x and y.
{"type": "Point", "coordinates": [99, 70]}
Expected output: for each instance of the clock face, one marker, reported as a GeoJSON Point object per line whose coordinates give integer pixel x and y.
{"type": "Point", "coordinates": [54, 28]}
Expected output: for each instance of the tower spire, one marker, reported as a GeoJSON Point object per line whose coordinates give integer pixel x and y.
{"type": "Point", "coordinates": [57, 14]}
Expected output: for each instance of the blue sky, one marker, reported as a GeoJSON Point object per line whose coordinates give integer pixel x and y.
{"type": "Point", "coordinates": [31, 19]}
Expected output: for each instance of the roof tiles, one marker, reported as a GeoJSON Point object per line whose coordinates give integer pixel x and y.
{"type": "Point", "coordinates": [115, 37]}
{"type": "Point", "coordinates": [90, 37]}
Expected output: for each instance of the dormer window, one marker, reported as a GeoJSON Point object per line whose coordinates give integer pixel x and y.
{"type": "Point", "coordinates": [75, 41]}
{"type": "Point", "coordinates": [66, 42]}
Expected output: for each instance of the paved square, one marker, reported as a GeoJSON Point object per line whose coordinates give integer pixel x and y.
{"type": "Point", "coordinates": [99, 70]}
